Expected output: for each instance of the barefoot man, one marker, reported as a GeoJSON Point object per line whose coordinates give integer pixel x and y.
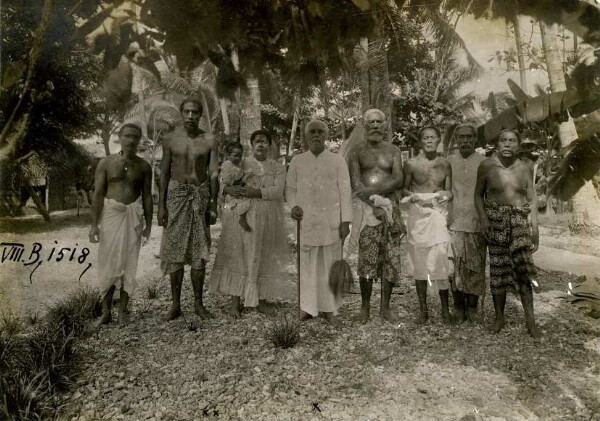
{"type": "Point", "coordinates": [505, 199]}
{"type": "Point", "coordinates": [318, 191]}
{"type": "Point", "coordinates": [468, 243]}
{"type": "Point", "coordinates": [118, 217]}
{"type": "Point", "coordinates": [428, 179]}
{"type": "Point", "coordinates": [377, 226]}
{"type": "Point", "coordinates": [188, 167]}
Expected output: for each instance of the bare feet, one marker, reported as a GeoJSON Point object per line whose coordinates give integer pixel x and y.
{"type": "Point", "coordinates": [244, 223]}
{"type": "Point", "coordinates": [123, 318]}
{"type": "Point", "coordinates": [201, 311]}
{"type": "Point", "coordinates": [446, 318]}
{"type": "Point", "coordinates": [365, 314]}
{"type": "Point", "coordinates": [304, 316]}
{"type": "Point", "coordinates": [388, 316]}
{"type": "Point", "coordinates": [265, 308]}
{"type": "Point", "coordinates": [332, 320]}
{"type": "Point", "coordinates": [234, 311]}
{"type": "Point", "coordinates": [534, 331]}
{"type": "Point", "coordinates": [103, 320]}
{"type": "Point", "coordinates": [174, 313]}
{"type": "Point", "coordinates": [498, 324]}
{"type": "Point", "coordinates": [472, 314]}
{"type": "Point", "coordinates": [423, 318]}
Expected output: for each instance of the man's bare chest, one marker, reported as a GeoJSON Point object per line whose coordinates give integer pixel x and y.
{"type": "Point", "coordinates": [427, 172]}
{"type": "Point", "coordinates": [190, 148]}
{"type": "Point", "coordinates": [370, 160]}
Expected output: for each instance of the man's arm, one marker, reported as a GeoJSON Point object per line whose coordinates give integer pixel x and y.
{"type": "Point", "coordinates": [532, 199]}
{"type": "Point", "coordinates": [147, 198]}
{"type": "Point", "coordinates": [479, 195]}
{"type": "Point", "coordinates": [447, 192]}
{"type": "Point", "coordinates": [407, 179]}
{"type": "Point", "coordinates": [100, 185]}
{"type": "Point", "coordinates": [291, 190]}
{"type": "Point", "coordinates": [213, 180]}
{"type": "Point", "coordinates": [354, 171]}
{"type": "Point", "coordinates": [345, 189]}
{"type": "Point", "coordinates": [165, 177]}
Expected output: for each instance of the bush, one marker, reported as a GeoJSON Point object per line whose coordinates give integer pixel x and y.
{"type": "Point", "coordinates": [37, 364]}
{"type": "Point", "coordinates": [284, 333]}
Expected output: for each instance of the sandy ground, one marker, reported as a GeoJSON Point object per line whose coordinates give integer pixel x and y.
{"type": "Point", "coordinates": [153, 370]}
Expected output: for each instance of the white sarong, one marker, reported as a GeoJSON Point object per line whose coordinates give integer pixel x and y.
{"type": "Point", "coordinates": [427, 241]}
{"type": "Point", "coordinates": [315, 263]}
{"type": "Point", "coordinates": [120, 240]}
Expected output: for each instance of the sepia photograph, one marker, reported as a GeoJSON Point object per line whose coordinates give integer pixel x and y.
{"type": "Point", "coordinates": [300, 210]}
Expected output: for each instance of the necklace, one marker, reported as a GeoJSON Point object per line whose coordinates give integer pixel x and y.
{"type": "Point", "coordinates": [125, 168]}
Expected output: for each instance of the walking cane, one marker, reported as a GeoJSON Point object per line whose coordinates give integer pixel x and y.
{"type": "Point", "coordinates": [298, 261]}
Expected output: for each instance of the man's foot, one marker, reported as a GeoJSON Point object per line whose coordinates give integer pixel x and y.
{"type": "Point", "coordinates": [105, 319]}
{"type": "Point", "coordinates": [388, 316]}
{"type": "Point", "coordinates": [201, 311]}
{"type": "Point", "coordinates": [459, 316]}
{"type": "Point", "coordinates": [365, 314]}
{"type": "Point", "coordinates": [174, 313]}
{"type": "Point", "coordinates": [265, 308]}
{"type": "Point", "coordinates": [446, 319]}
{"type": "Point", "coordinates": [123, 318]}
{"type": "Point", "coordinates": [423, 318]}
{"type": "Point", "coordinates": [498, 324]}
{"type": "Point", "coordinates": [304, 316]}
{"type": "Point", "coordinates": [534, 331]}
{"type": "Point", "coordinates": [332, 320]}
{"type": "Point", "coordinates": [234, 311]}
{"type": "Point", "coordinates": [472, 314]}
{"type": "Point", "coordinates": [245, 225]}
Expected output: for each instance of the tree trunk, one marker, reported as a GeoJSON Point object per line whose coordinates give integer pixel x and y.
{"type": "Point", "coordinates": [249, 112]}
{"type": "Point", "coordinates": [520, 53]}
{"type": "Point", "coordinates": [33, 194]}
{"type": "Point", "coordinates": [586, 204]}
{"type": "Point", "coordinates": [15, 128]}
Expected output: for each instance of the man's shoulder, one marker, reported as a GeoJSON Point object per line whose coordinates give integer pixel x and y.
{"type": "Point", "coordinates": [487, 163]}
{"type": "Point", "coordinates": [144, 165]}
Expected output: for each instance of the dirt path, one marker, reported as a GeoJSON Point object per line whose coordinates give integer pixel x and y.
{"type": "Point", "coordinates": [551, 258]}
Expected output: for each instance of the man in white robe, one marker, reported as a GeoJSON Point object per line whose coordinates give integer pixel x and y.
{"type": "Point", "coordinates": [319, 193]}
{"type": "Point", "coordinates": [122, 200]}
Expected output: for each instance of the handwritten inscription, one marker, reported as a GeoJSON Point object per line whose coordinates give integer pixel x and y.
{"type": "Point", "coordinates": [19, 253]}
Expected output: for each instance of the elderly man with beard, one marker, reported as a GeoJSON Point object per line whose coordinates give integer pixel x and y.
{"type": "Point", "coordinates": [428, 179]}
{"type": "Point", "coordinates": [318, 191]}
{"type": "Point", "coordinates": [377, 226]}
{"type": "Point", "coordinates": [505, 200]}
{"type": "Point", "coordinates": [468, 242]}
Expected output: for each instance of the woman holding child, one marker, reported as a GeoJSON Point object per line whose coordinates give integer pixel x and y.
{"type": "Point", "coordinates": [252, 252]}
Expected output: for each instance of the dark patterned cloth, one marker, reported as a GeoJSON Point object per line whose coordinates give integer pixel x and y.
{"type": "Point", "coordinates": [509, 246]}
{"type": "Point", "coordinates": [186, 238]}
{"type": "Point", "coordinates": [379, 249]}
{"type": "Point", "coordinates": [469, 255]}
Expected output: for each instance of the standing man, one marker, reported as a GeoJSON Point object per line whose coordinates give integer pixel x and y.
{"type": "Point", "coordinates": [428, 180]}
{"type": "Point", "coordinates": [468, 242]}
{"type": "Point", "coordinates": [318, 191]}
{"type": "Point", "coordinates": [189, 165]}
{"type": "Point", "coordinates": [117, 219]}
{"type": "Point", "coordinates": [505, 200]}
{"type": "Point", "coordinates": [377, 227]}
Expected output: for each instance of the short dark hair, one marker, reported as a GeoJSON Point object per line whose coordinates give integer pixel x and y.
{"type": "Point", "coordinates": [259, 132]}
{"type": "Point", "coordinates": [515, 131]}
{"type": "Point", "coordinates": [463, 125]}
{"type": "Point", "coordinates": [435, 129]}
{"type": "Point", "coordinates": [231, 146]}
{"type": "Point", "coordinates": [191, 100]}
{"type": "Point", "coordinates": [130, 126]}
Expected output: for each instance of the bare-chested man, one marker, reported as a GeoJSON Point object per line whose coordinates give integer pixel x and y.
{"type": "Point", "coordinates": [504, 198]}
{"type": "Point", "coordinates": [428, 180]}
{"type": "Point", "coordinates": [187, 193]}
{"type": "Point", "coordinates": [376, 175]}
{"type": "Point", "coordinates": [120, 181]}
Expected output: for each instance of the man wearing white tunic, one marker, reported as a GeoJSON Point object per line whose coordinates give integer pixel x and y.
{"type": "Point", "coordinates": [122, 200]}
{"type": "Point", "coordinates": [318, 191]}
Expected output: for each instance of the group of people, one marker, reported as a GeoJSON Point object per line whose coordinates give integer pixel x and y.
{"type": "Point", "coordinates": [458, 207]}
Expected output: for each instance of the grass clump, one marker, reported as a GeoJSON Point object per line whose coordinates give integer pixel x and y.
{"type": "Point", "coordinates": [36, 364]}
{"type": "Point", "coordinates": [284, 333]}
{"type": "Point", "coordinates": [152, 291]}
